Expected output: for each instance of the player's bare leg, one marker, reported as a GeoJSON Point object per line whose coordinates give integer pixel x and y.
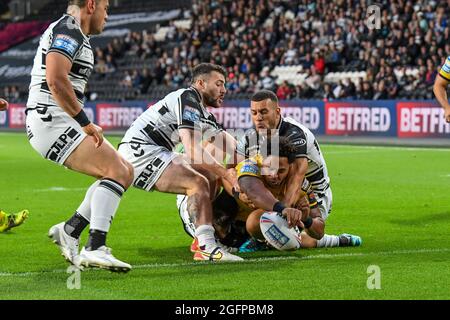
{"type": "Point", "coordinates": [115, 176]}
{"type": "Point", "coordinates": [328, 241]}
{"type": "Point", "coordinates": [180, 178]}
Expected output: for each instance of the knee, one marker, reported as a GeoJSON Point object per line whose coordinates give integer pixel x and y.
{"type": "Point", "coordinates": [200, 186]}
{"type": "Point", "coordinates": [128, 173]}
{"type": "Point", "coordinates": [253, 227]}
{"type": "Point", "coordinates": [121, 171]}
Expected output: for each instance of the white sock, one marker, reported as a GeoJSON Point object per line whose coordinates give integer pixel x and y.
{"type": "Point", "coordinates": [205, 236]}
{"type": "Point", "coordinates": [104, 204]}
{"type": "Point", "coordinates": [328, 241]}
{"type": "Point", "coordinates": [85, 207]}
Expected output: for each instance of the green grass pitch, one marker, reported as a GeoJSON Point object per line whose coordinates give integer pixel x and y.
{"type": "Point", "coordinates": [396, 199]}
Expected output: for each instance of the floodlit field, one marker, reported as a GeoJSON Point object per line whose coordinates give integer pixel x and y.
{"type": "Point", "coordinates": [396, 199]}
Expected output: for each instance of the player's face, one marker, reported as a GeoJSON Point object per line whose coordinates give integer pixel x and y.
{"type": "Point", "coordinates": [275, 170]}
{"type": "Point", "coordinates": [265, 114]}
{"type": "Point", "coordinates": [99, 16]}
{"type": "Point", "coordinates": [213, 89]}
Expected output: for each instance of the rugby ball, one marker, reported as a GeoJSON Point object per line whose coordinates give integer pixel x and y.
{"type": "Point", "coordinates": [275, 229]}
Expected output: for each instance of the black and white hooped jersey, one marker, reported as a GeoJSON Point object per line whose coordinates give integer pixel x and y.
{"type": "Point", "coordinates": [65, 37]}
{"type": "Point", "coordinates": [160, 123]}
{"type": "Point", "coordinates": [307, 147]}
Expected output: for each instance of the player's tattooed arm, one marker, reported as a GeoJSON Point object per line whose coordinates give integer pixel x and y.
{"type": "Point", "coordinates": [294, 182]}
{"type": "Point", "coordinates": [257, 193]}
{"type": "Point", "coordinates": [197, 154]}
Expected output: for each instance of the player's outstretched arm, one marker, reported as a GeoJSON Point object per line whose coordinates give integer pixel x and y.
{"type": "Point", "coordinates": [57, 77]}
{"type": "Point", "coordinates": [440, 92]}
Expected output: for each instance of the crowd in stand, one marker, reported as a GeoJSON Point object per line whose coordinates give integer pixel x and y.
{"type": "Point", "coordinates": [12, 94]}
{"type": "Point", "coordinates": [250, 38]}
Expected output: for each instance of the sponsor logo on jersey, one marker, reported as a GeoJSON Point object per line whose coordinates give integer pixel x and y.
{"type": "Point", "coordinates": [145, 179]}
{"type": "Point", "coordinates": [62, 144]}
{"type": "Point", "coordinates": [65, 43]}
{"type": "Point", "coordinates": [250, 168]}
{"type": "Point", "coordinates": [191, 114]}
{"type": "Point", "coordinates": [299, 142]}
{"type": "Point", "coordinates": [446, 66]}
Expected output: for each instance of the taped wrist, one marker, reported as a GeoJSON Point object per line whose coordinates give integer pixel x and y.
{"type": "Point", "coordinates": [82, 118]}
{"type": "Point", "coordinates": [278, 207]}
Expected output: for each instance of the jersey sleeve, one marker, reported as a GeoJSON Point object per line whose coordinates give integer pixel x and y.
{"type": "Point", "coordinates": [298, 139]}
{"type": "Point", "coordinates": [66, 41]}
{"type": "Point", "coordinates": [248, 167]}
{"type": "Point", "coordinates": [444, 72]}
{"type": "Point", "coordinates": [190, 110]}
{"type": "Point", "coordinates": [242, 146]}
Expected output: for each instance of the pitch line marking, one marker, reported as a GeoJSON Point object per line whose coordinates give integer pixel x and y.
{"type": "Point", "coordinates": [257, 260]}
{"type": "Point", "coordinates": [58, 189]}
{"type": "Point", "coordinates": [443, 149]}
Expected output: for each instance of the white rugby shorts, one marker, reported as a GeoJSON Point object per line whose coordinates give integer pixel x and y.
{"type": "Point", "coordinates": [53, 133]}
{"type": "Point", "coordinates": [149, 162]}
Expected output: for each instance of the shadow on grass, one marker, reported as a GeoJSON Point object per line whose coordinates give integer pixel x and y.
{"type": "Point", "coordinates": [423, 219]}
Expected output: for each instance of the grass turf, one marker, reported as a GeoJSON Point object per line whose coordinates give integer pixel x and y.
{"type": "Point", "coordinates": [396, 199]}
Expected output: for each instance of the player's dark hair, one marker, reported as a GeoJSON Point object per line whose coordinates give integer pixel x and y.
{"type": "Point", "coordinates": [264, 95]}
{"type": "Point", "coordinates": [206, 69]}
{"type": "Point", "coordinates": [286, 149]}
{"type": "Point", "coordinates": [79, 3]}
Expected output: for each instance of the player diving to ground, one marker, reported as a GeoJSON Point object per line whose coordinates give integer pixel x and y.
{"type": "Point", "coordinates": [149, 143]}
{"type": "Point", "coordinates": [309, 162]}
{"type": "Point", "coordinates": [264, 180]}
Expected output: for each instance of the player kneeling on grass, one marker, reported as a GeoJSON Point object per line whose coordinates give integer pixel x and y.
{"type": "Point", "coordinates": [149, 143]}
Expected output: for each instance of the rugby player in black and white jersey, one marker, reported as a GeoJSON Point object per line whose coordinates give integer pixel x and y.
{"type": "Point", "coordinates": [182, 116]}
{"type": "Point", "coordinates": [309, 162]}
{"type": "Point", "coordinates": [60, 131]}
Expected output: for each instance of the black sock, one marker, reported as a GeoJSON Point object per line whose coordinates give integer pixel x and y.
{"type": "Point", "coordinates": [75, 225]}
{"type": "Point", "coordinates": [344, 241]}
{"type": "Point", "coordinates": [96, 240]}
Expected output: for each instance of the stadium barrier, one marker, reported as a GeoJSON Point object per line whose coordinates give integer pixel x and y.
{"type": "Point", "coordinates": [387, 118]}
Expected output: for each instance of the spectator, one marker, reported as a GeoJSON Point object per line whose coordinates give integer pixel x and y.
{"type": "Point", "coordinates": [284, 91]}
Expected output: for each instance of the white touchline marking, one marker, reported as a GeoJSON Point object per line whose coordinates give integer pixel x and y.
{"type": "Point", "coordinates": [443, 149]}
{"type": "Point", "coordinates": [58, 189]}
{"type": "Point", "coordinates": [346, 152]}
{"type": "Point", "coordinates": [257, 260]}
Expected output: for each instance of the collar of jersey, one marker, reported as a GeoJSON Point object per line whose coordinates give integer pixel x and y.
{"type": "Point", "coordinates": [200, 100]}
{"type": "Point", "coordinates": [78, 24]}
